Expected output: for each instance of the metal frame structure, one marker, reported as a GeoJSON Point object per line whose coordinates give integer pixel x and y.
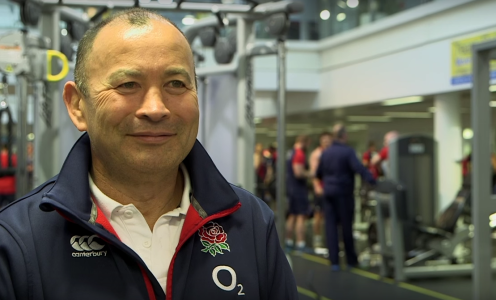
{"type": "Point", "coordinates": [408, 198]}
{"type": "Point", "coordinates": [182, 5]}
{"type": "Point", "coordinates": [246, 49]}
{"type": "Point", "coordinates": [483, 204]}
{"type": "Point", "coordinates": [242, 15]}
{"type": "Point", "coordinates": [393, 251]}
{"type": "Point", "coordinates": [46, 164]}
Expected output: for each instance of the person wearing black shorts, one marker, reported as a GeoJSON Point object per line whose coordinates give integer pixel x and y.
{"type": "Point", "coordinates": [325, 141]}
{"type": "Point", "coordinates": [297, 192]}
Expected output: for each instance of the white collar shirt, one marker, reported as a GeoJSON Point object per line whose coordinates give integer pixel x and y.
{"type": "Point", "coordinates": [155, 248]}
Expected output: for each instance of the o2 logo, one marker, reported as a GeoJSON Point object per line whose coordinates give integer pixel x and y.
{"type": "Point", "coordinates": [230, 287]}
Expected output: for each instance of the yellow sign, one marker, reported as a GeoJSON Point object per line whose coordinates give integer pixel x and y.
{"type": "Point", "coordinates": [65, 65]}
{"type": "Point", "coordinates": [461, 58]}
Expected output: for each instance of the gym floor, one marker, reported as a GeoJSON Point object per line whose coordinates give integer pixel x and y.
{"type": "Point", "coordinates": [316, 281]}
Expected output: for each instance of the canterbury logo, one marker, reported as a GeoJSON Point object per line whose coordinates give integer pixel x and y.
{"type": "Point", "coordinates": [86, 243]}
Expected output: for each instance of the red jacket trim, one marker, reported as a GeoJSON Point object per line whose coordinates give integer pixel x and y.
{"type": "Point", "coordinates": [148, 283]}
{"type": "Point", "coordinates": [191, 225]}
{"type": "Point", "coordinates": [102, 220]}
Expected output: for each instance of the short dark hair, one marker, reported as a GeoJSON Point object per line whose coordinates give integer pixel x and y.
{"type": "Point", "coordinates": [325, 133]}
{"type": "Point", "coordinates": [371, 144]}
{"type": "Point", "coordinates": [339, 131]}
{"type": "Point", "coordinates": [302, 139]}
{"type": "Point", "coordinates": [135, 17]}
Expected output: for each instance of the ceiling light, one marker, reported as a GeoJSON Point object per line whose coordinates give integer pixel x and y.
{"type": "Point", "coordinates": [352, 3]}
{"type": "Point", "coordinates": [369, 118]}
{"type": "Point", "coordinates": [357, 127]}
{"type": "Point", "coordinates": [341, 4]}
{"type": "Point", "coordinates": [468, 133]}
{"type": "Point", "coordinates": [63, 32]}
{"type": "Point", "coordinates": [188, 20]}
{"type": "Point", "coordinates": [408, 115]}
{"type": "Point", "coordinates": [431, 109]}
{"type": "Point", "coordinates": [298, 126]}
{"type": "Point", "coordinates": [492, 103]}
{"type": "Point", "coordinates": [340, 17]}
{"type": "Point", "coordinates": [325, 14]}
{"type": "Point", "coordinates": [405, 100]}
{"type": "Point", "coordinates": [492, 88]}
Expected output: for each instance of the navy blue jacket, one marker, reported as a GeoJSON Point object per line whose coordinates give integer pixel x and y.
{"type": "Point", "coordinates": [337, 168]}
{"type": "Point", "coordinates": [56, 244]}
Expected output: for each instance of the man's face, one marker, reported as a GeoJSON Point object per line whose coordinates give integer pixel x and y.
{"type": "Point", "coordinates": [325, 141]}
{"type": "Point", "coordinates": [143, 108]}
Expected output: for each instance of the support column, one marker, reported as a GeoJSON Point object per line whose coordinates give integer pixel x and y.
{"type": "Point", "coordinates": [246, 126]}
{"type": "Point", "coordinates": [47, 157]}
{"type": "Point", "coordinates": [448, 135]}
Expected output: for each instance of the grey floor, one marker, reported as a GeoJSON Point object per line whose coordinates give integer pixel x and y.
{"type": "Point", "coordinates": [316, 281]}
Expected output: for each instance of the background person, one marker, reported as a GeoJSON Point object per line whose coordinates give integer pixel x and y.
{"type": "Point", "coordinates": [8, 182]}
{"type": "Point", "coordinates": [337, 168]}
{"type": "Point", "coordinates": [297, 193]}
{"type": "Point", "coordinates": [380, 161]}
{"type": "Point", "coordinates": [325, 140]}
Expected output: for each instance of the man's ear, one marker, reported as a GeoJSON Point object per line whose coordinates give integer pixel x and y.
{"type": "Point", "coordinates": [75, 105]}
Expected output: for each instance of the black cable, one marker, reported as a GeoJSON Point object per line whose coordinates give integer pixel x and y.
{"type": "Point", "coordinates": [219, 18]}
{"type": "Point", "coordinates": [136, 3]}
{"type": "Point", "coordinates": [179, 2]}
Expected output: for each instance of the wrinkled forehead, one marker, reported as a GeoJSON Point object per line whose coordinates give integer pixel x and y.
{"type": "Point", "coordinates": [120, 30]}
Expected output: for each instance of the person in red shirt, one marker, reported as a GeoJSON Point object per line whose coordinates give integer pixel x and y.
{"type": "Point", "coordinates": [367, 159]}
{"type": "Point", "coordinates": [380, 161]}
{"type": "Point", "coordinates": [7, 183]}
{"type": "Point", "coordinates": [296, 189]}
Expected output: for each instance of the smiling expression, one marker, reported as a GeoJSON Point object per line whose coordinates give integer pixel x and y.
{"type": "Point", "coordinates": [142, 108]}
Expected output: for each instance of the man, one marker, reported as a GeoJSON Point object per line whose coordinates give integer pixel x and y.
{"type": "Point", "coordinates": [367, 159]}
{"type": "Point", "coordinates": [325, 141]}
{"type": "Point", "coordinates": [260, 167]}
{"type": "Point", "coordinates": [380, 161]}
{"type": "Point", "coordinates": [337, 168]}
{"type": "Point", "coordinates": [296, 185]}
{"type": "Point", "coordinates": [139, 211]}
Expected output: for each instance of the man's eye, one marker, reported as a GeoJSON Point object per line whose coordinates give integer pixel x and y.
{"type": "Point", "coordinates": [176, 84]}
{"type": "Point", "coordinates": [128, 85]}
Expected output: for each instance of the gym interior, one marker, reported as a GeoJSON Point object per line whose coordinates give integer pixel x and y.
{"type": "Point", "coordinates": [271, 71]}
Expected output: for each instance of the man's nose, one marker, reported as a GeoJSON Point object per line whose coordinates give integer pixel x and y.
{"type": "Point", "coordinates": [153, 106]}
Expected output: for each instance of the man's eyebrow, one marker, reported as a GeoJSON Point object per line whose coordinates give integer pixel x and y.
{"type": "Point", "coordinates": [177, 71]}
{"type": "Point", "coordinates": [123, 73]}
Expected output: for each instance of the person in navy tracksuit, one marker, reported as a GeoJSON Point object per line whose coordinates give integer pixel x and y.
{"type": "Point", "coordinates": [337, 168]}
{"type": "Point", "coordinates": [135, 97]}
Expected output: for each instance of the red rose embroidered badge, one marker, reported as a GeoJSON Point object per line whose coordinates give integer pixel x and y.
{"type": "Point", "coordinates": [213, 238]}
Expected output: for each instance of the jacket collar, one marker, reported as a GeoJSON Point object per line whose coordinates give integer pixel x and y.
{"type": "Point", "coordinates": [70, 193]}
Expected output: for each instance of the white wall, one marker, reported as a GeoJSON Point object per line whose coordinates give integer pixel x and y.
{"type": "Point", "coordinates": [410, 59]}
{"type": "Point", "coordinates": [402, 55]}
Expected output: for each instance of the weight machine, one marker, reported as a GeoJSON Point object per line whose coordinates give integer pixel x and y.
{"type": "Point", "coordinates": [418, 239]}
{"type": "Point", "coordinates": [29, 59]}
{"type": "Point", "coordinates": [234, 54]}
